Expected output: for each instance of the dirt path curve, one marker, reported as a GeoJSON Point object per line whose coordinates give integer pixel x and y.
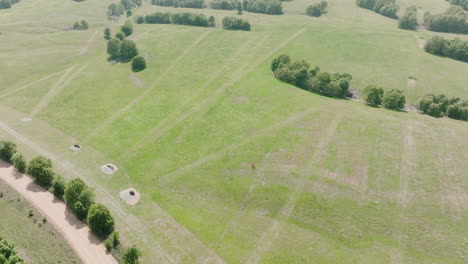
{"type": "Point", "coordinates": [75, 232]}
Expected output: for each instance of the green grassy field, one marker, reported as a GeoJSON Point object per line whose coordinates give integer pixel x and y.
{"type": "Point", "coordinates": [35, 241]}
{"type": "Point", "coordinates": [335, 181]}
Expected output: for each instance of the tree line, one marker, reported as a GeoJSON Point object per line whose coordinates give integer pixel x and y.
{"type": "Point", "coordinates": [234, 23]}
{"type": "Point", "coordinates": [76, 194]}
{"type": "Point", "coordinates": [409, 20]}
{"type": "Point", "coordinates": [269, 7]}
{"type": "Point", "coordinates": [124, 50]}
{"type": "Point", "coordinates": [462, 3]}
{"type": "Point", "coordinates": [125, 6]}
{"type": "Point", "coordinates": [317, 9]}
{"type": "Point", "coordinates": [5, 4]}
{"type": "Point", "coordinates": [191, 19]}
{"type": "Point", "coordinates": [300, 74]}
{"type": "Point", "coordinates": [440, 105]}
{"type": "Point", "coordinates": [453, 48]}
{"type": "Point", "coordinates": [225, 4]}
{"type": "Point", "coordinates": [8, 254]}
{"type": "Point", "coordinates": [387, 8]}
{"type": "Point", "coordinates": [180, 3]}
{"type": "Point", "coordinates": [453, 20]}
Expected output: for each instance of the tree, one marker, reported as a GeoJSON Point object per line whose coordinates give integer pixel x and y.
{"type": "Point", "coordinates": [128, 50]}
{"type": "Point", "coordinates": [317, 9]}
{"type": "Point", "coordinates": [280, 61]}
{"type": "Point", "coordinates": [409, 19]}
{"type": "Point", "coordinates": [211, 21]}
{"type": "Point", "coordinates": [107, 33]}
{"type": "Point", "coordinates": [7, 150]}
{"type": "Point", "coordinates": [115, 9]}
{"type": "Point", "coordinates": [138, 64]}
{"type": "Point", "coordinates": [127, 28]}
{"type": "Point", "coordinates": [394, 100]}
{"type": "Point", "coordinates": [373, 95]}
{"type": "Point", "coordinates": [239, 8]}
{"type": "Point", "coordinates": [131, 255]}
{"type": "Point", "coordinates": [113, 48]}
{"type": "Point", "coordinates": [40, 168]}
{"type": "Point", "coordinates": [129, 13]}
{"type": "Point", "coordinates": [79, 197]}
{"type": "Point", "coordinates": [8, 254]}
{"type": "Point", "coordinates": [76, 26]}
{"type": "Point", "coordinates": [120, 35]}
{"type": "Point", "coordinates": [19, 162]}
{"type": "Point", "coordinates": [100, 220]}
{"type": "Point", "coordinates": [140, 20]}
{"type": "Point", "coordinates": [4, 4]}
{"type": "Point", "coordinates": [434, 110]}
{"type": "Point", "coordinates": [84, 25]}
{"type": "Point", "coordinates": [58, 187]}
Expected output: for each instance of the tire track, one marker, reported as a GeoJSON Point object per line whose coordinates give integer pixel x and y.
{"type": "Point", "coordinates": [30, 84]}
{"type": "Point", "coordinates": [154, 85]}
{"type": "Point", "coordinates": [56, 89]}
{"type": "Point", "coordinates": [237, 76]}
{"type": "Point", "coordinates": [85, 48]}
{"type": "Point", "coordinates": [143, 142]}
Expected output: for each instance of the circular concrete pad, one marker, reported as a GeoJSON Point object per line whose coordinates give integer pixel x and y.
{"type": "Point", "coordinates": [109, 168]}
{"type": "Point", "coordinates": [130, 196]}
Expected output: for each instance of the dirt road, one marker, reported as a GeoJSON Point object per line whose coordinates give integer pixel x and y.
{"type": "Point", "coordinates": [77, 234]}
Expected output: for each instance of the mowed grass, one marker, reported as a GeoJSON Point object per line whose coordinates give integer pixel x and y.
{"type": "Point", "coordinates": [334, 181]}
{"type": "Point", "coordinates": [35, 241]}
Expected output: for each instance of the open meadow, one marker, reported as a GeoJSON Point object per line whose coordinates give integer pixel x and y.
{"type": "Point", "coordinates": [234, 166]}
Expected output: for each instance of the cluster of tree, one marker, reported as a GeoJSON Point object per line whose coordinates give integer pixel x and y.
{"type": "Point", "coordinates": [440, 105]}
{"type": "Point", "coordinates": [4, 4]}
{"type": "Point", "coordinates": [409, 20]}
{"type": "Point", "coordinates": [79, 0]}
{"type": "Point", "coordinates": [453, 48]}
{"type": "Point", "coordinates": [180, 3]}
{"type": "Point", "coordinates": [185, 18]}
{"type": "Point", "coordinates": [269, 7]}
{"type": "Point", "coordinates": [82, 25]}
{"type": "Point", "coordinates": [375, 96]}
{"type": "Point", "coordinates": [387, 8]}
{"type": "Point", "coordinates": [462, 3]}
{"type": "Point", "coordinates": [453, 20]}
{"type": "Point", "coordinates": [8, 254]}
{"type": "Point", "coordinates": [115, 9]}
{"type": "Point", "coordinates": [225, 4]}
{"type": "Point", "coordinates": [317, 9]}
{"type": "Point", "coordinates": [234, 23]}
{"type": "Point", "coordinates": [300, 74]}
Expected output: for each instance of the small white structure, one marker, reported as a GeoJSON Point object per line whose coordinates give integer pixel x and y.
{"type": "Point", "coordinates": [75, 147]}
{"type": "Point", "coordinates": [26, 119]}
{"type": "Point", "coordinates": [109, 168]}
{"type": "Point", "coordinates": [130, 196]}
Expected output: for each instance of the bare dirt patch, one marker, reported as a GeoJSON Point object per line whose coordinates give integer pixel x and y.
{"type": "Point", "coordinates": [109, 169]}
{"type": "Point", "coordinates": [411, 82]}
{"type": "Point", "coordinates": [138, 82]}
{"type": "Point", "coordinates": [421, 43]}
{"type": "Point", "coordinates": [130, 196]}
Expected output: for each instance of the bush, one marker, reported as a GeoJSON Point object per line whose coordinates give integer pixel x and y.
{"type": "Point", "coordinates": [394, 100]}
{"type": "Point", "coordinates": [100, 220]}
{"type": "Point", "coordinates": [79, 198]}
{"type": "Point", "coordinates": [440, 105]}
{"type": "Point", "coordinates": [409, 20]}
{"type": "Point", "coordinates": [317, 9]}
{"type": "Point", "coordinates": [128, 50]}
{"type": "Point", "coordinates": [108, 244]}
{"type": "Point", "coordinates": [19, 162]}
{"type": "Point", "coordinates": [269, 7]}
{"type": "Point", "coordinates": [7, 150]}
{"type": "Point", "coordinates": [131, 255]}
{"type": "Point", "coordinates": [127, 28]}
{"type": "Point", "coordinates": [234, 23]}
{"type": "Point", "coordinates": [40, 169]}
{"type": "Point", "coordinates": [387, 8]}
{"type": "Point", "coordinates": [138, 64]}
{"type": "Point", "coordinates": [113, 48]}
{"type": "Point", "coordinates": [453, 48]}
{"type": "Point", "coordinates": [58, 187]}
{"type": "Point", "coordinates": [82, 25]}
{"type": "Point", "coordinates": [453, 20]}
{"type": "Point", "coordinates": [107, 33]}
{"type": "Point", "coordinates": [373, 95]}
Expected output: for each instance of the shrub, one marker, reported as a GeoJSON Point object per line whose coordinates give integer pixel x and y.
{"type": "Point", "coordinates": [138, 64]}
{"type": "Point", "coordinates": [113, 48]}
{"type": "Point", "coordinates": [58, 187]}
{"type": "Point", "coordinates": [409, 20]}
{"type": "Point", "coordinates": [373, 95]}
{"type": "Point", "coordinates": [40, 168]}
{"type": "Point", "coordinates": [127, 28]}
{"type": "Point", "coordinates": [453, 48]}
{"type": "Point", "coordinates": [19, 162]}
{"type": "Point", "coordinates": [269, 7]}
{"type": "Point", "coordinates": [131, 255]}
{"type": "Point", "coordinates": [82, 25]}
{"type": "Point", "coordinates": [317, 9]}
{"type": "Point", "coordinates": [107, 33]}
{"type": "Point", "coordinates": [108, 244]}
{"type": "Point", "coordinates": [394, 100]}
{"type": "Point", "coordinates": [79, 197]}
{"type": "Point", "coordinates": [234, 23]}
{"type": "Point", "coordinates": [100, 220]}
{"type": "Point", "coordinates": [7, 150]}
